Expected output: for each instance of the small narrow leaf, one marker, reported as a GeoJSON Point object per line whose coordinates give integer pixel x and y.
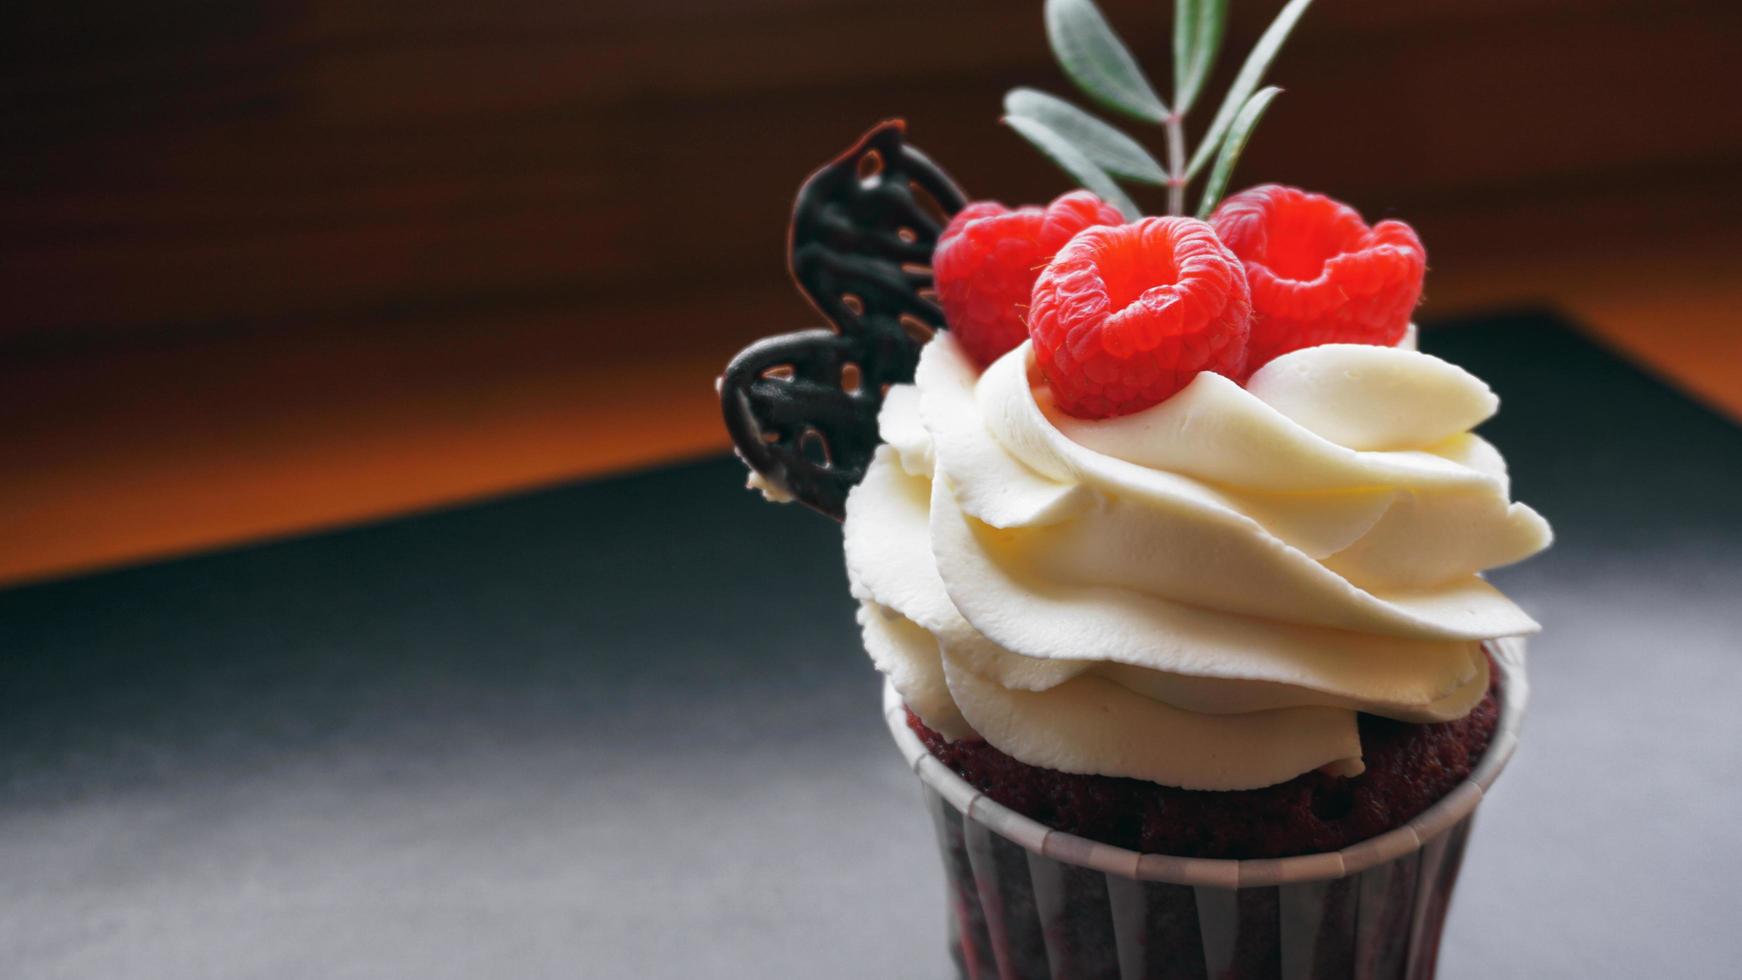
{"type": "Point", "coordinates": [1251, 73]}
{"type": "Point", "coordinates": [1185, 35]}
{"type": "Point", "coordinates": [1105, 146]}
{"type": "Point", "coordinates": [1094, 57]}
{"type": "Point", "coordinates": [1072, 161]}
{"type": "Point", "coordinates": [1245, 121]}
{"type": "Point", "coordinates": [1209, 24]}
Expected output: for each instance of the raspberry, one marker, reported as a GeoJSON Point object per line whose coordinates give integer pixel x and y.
{"type": "Point", "coordinates": [1126, 316]}
{"type": "Point", "coordinates": [987, 259]}
{"type": "Point", "coordinates": [1318, 274]}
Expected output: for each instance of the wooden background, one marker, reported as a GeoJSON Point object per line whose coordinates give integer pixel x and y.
{"type": "Point", "coordinates": [269, 266]}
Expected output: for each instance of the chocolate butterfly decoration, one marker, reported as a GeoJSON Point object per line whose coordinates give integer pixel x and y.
{"type": "Point", "coordinates": [802, 407]}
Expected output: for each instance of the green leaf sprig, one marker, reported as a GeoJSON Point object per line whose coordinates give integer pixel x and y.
{"type": "Point", "coordinates": [1096, 154]}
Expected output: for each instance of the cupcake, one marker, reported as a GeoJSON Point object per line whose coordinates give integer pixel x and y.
{"type": "Point", "coordinates": [1168, 542]}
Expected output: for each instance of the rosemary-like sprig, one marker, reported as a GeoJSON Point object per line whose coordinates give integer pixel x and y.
{"type": "Point", "coordinates": [1096, 154]}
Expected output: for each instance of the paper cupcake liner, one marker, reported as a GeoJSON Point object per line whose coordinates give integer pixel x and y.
{"type": "Point", "coordinates": [1027, 901]}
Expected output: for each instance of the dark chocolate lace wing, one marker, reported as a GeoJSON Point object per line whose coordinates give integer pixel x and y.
{"type": "Point", "coordinates": [802, 407]}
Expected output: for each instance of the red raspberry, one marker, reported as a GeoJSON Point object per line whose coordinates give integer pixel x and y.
{"type": "Point", "coordinates": [1319, 275]}
{"type": "Point", "coordinates": [988, 257]}
{"type": "Point", "coordinates": [1126, 316]}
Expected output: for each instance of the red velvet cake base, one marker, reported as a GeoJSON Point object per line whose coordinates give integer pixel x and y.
{"type": "Point", "coordinates": [1409, 767]}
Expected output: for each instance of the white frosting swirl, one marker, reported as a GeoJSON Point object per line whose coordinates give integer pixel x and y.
{"type": "Point", "coordinates": [1203, 594]}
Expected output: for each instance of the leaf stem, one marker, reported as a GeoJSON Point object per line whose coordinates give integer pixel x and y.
{"type": "Point", "coordinates": [1176, 164]}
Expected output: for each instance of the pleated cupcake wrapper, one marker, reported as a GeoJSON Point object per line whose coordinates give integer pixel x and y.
{"type": "Point", "coordinates": [1027, 901]}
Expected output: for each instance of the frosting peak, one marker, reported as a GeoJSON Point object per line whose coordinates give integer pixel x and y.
{"type": "Point", "coordinates": [1204, 593]}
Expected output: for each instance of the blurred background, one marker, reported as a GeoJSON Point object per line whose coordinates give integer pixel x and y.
{"type": "Point", "coordinates": [280, 265]}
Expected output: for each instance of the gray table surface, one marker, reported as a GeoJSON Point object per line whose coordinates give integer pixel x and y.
{"type": "Point", "coordinates": [624, 729]}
